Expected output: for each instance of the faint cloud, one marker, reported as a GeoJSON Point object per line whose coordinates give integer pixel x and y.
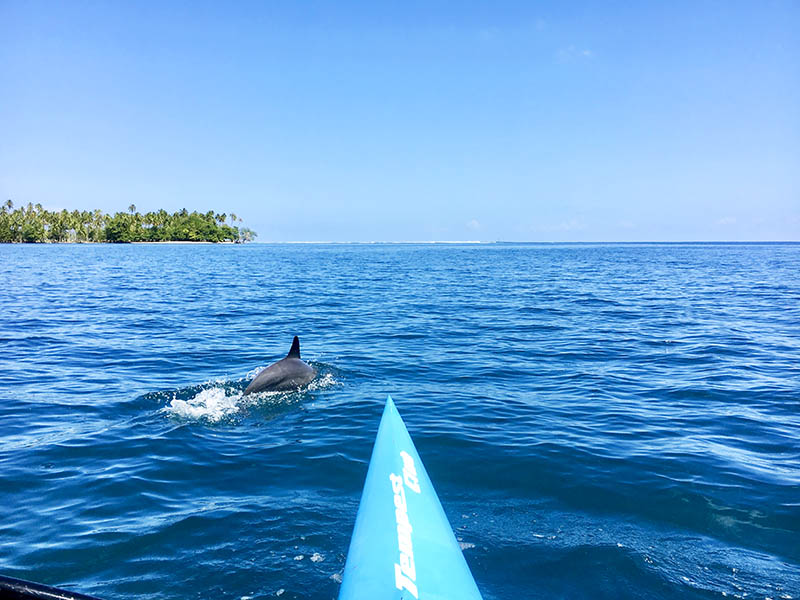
{"type": "Point", "coordinates": [474, 224]}
{"type": "Point", "coordinates": [626, 225]}
{"type": "Point", "coordinates": [572, 54]}
{"type": "Point", "coordinates": [726, 221]}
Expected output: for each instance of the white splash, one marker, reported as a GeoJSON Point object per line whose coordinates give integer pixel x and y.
{"type": "Point", "coordinates": [317, 557]}
{"type": "Point", "coordinates": [253, 372]}
{"type": "Point", "coordinates": [213, 404]}
{"type": "Point", "coordinates": [322, 382]}
{"type": "Point", "coordinates": [466, 545]}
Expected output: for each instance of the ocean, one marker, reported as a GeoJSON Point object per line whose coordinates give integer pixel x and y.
{"type": "Point", "coordinates": [600, 421]}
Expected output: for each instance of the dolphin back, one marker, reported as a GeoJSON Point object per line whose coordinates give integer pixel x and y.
{"type": "Point", "coordinates": [287, 374]}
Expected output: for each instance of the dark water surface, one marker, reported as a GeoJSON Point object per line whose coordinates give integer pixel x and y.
{"type": "Point", "coordinates": [600, 421]}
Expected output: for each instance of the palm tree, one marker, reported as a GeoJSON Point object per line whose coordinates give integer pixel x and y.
{"type": "Point", "coordinates": [96, 225]}
{"type": "Point", "coordinates": [246, 235]}
{"type": "Point", "coordinates": [132, 208]}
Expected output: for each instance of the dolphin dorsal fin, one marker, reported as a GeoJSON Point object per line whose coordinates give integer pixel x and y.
{"type": "Point", "coordinates": [295, 351]}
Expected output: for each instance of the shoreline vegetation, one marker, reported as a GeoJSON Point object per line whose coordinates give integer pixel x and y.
{"type": "Point", "coordinates": [32, 224]}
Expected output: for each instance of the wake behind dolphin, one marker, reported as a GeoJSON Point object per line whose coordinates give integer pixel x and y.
{"type": "Point", "coordinates": [289, 373]}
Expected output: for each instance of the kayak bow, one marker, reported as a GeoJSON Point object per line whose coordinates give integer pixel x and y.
{"type": "Point", "coordinates": [402, 546]}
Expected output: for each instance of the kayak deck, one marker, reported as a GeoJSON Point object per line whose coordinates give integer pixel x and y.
{"type": "Point", "coordinates": [402, 545]}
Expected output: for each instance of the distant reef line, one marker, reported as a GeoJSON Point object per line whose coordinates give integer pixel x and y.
{"type": "Point", "coordinates": [32, 224]}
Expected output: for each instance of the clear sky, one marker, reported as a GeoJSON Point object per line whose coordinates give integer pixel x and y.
{"type": "Point", "coordinates": [412, 120]}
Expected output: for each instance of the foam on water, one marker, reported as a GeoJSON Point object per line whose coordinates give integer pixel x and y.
{"type": "Point", "coordinates": [323, 381]}
{"type": "Point", "coordinates": [213, 405]}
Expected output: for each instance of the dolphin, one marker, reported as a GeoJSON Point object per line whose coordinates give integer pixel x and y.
{"type": "Point", "coordinates": [288, 373]}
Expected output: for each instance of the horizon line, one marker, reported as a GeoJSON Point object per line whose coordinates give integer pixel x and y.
{"type": "Point", "coordinates": [477, 242]}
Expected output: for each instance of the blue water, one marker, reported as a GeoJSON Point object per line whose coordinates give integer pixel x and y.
{"type": "Point", "coordinates": [601, 421]}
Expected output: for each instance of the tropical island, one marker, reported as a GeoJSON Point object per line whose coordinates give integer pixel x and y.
{"type": "Point", "coordinates": [34, 224]}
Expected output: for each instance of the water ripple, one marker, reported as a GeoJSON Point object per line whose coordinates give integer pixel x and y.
{"type": "Point", "coordinates": [600, 420]}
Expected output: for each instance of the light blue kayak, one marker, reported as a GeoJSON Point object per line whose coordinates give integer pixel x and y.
{"type": "Point", "coordinates": [402, 544]}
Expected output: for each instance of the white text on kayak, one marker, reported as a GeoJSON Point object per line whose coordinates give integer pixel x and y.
{"type": "Point", "coordinates": [405, 573]}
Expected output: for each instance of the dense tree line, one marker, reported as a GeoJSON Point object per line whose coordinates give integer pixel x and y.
{"type": "Point", "coordinates": [33, 224]}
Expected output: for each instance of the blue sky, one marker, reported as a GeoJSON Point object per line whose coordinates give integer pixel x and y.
{"type": "Point", "coordinates": [412, 120]}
